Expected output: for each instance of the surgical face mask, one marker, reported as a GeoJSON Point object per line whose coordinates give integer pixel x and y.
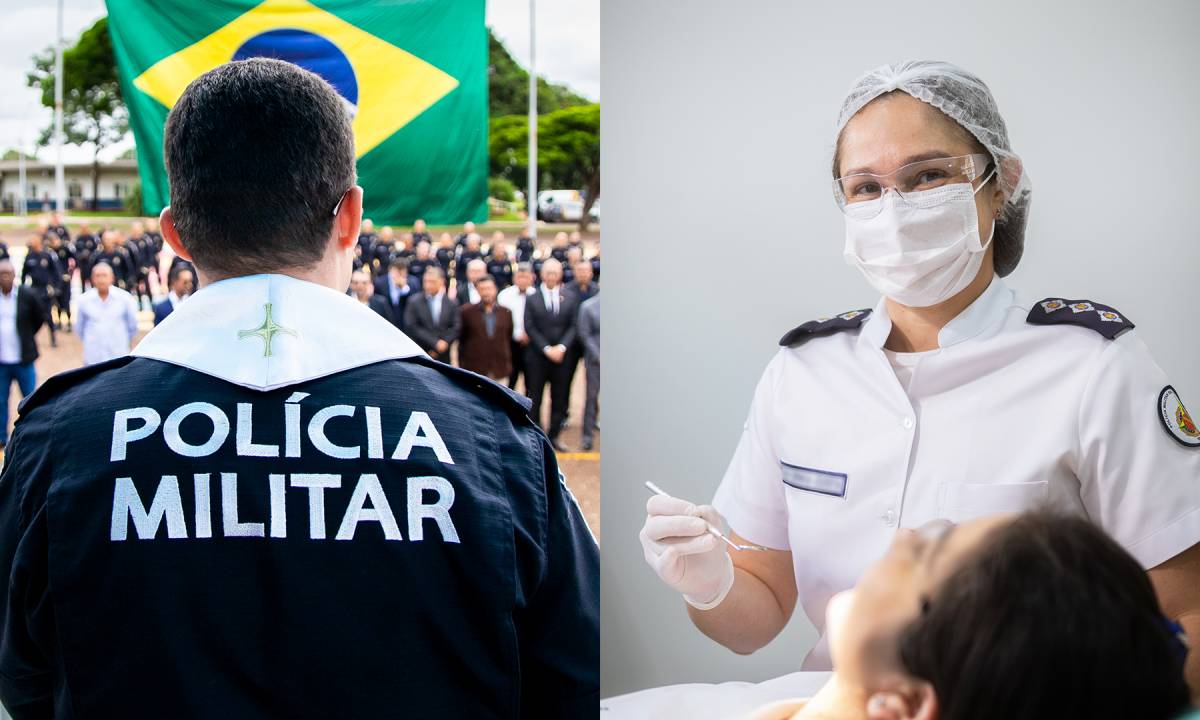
{"type": "Point", "coordinates": [920, 248]}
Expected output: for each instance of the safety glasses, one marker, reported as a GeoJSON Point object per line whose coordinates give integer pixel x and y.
{"type": "Point", "coordinates": [861, 194]}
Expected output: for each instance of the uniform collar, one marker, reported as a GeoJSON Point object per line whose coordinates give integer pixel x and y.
{"type": "Point", "coordinates": [987, 309]}
{"type": "Point", "coordinates": [224, 328]}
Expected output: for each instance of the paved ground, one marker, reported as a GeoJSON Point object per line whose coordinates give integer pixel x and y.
{"type": "Point", "coordinates": [582, 469]}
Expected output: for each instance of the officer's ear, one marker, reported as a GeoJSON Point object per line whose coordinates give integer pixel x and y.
{"type": "Point", "coordinates": [348, 220]}
{"type": "Point", "coordinates": [166, 224]}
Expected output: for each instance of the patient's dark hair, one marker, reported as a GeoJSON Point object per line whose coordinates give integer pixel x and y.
{"type": "Point", "coordinates": [1049, 619]}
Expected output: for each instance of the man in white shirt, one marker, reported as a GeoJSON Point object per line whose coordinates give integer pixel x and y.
{"type": "Point", "coordinates": [513, 298]}
{"type": "Point", "coordinates": [107, 318]}
{"type": "Point", "coordinates": [21, 316]}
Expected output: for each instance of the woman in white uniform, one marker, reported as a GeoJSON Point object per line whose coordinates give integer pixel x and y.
{"type": "Point", "coordinates": [952, 398]}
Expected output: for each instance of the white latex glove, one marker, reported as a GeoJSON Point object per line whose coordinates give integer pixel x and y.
{"type": "Point", "coordinates": [684, 553]}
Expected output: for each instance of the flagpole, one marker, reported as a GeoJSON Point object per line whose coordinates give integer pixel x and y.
{"type": "Point", "coordinates": [531, 203]}
{"type": "Point", "coordinates": [21, 208]}
{"type": "Point", "coordinates": [59, 183]}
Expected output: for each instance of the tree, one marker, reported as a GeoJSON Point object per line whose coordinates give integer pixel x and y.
{"type": "Point", "coordinates": [568, 151]}
{"type": "Point", "coordinates": [93, 111]}
{"type": "Point", "coordinates": [508, 86]}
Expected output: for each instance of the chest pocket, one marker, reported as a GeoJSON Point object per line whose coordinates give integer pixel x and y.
{"type": "Point", "coordinates": [966, 501]}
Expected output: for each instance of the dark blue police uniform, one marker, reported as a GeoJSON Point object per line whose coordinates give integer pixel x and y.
{"type": "Point", "coordinates": [392, 539]}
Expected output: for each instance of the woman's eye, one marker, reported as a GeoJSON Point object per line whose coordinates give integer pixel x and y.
{"type": "Point", "coordinates": [865, 189]}
{"type": "Point", "coordinates": [930, 176]}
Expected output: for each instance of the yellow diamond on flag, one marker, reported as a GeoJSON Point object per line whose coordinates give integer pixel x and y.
{"type": "Point", "coordinates": [393, 86]}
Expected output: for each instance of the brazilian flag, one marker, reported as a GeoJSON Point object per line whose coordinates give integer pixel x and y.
{"type": "Point", "coordinates": [412, 72]}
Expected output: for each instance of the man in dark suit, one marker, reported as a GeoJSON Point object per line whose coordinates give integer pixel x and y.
{"type": "Point", "coordinates": [182, 282]}
{"type": "Point", "coordinates": [395, 289]}
{"type": "Point", "coordinates": [362, 290]}
{"type": "Point", "coordinates": [432, 319]}
{"type": "Point", "coordinates": [583, 289]}
{"type": "Point", "coordinates": [550, 322]}
{"type": "Point", "coordinates": [465, 292]}
{"type": "Point", "coordinates": [22, 314]}
{"type": "Point", "coordinates": [484, 346]}
{"type": "Point", "coordinates": [589, 336]}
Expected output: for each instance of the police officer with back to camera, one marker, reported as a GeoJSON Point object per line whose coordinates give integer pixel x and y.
{"type": "Point", "coordinates": [265, 535]}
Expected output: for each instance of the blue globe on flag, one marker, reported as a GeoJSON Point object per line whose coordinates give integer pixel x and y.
{"type": "Point", "coordinates": [311, 52]}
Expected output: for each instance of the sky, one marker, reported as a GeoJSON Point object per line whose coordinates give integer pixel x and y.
{"type": "Point", "coordinates": [568, 52]}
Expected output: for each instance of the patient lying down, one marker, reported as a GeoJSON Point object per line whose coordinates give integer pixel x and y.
{"type": "Point", "coordinates": [1035, 616]}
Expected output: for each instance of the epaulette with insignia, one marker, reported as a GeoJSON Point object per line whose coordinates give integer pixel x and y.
{"type": "Point", "coordinates": [823, 326]}
{"type": "Point", "coordinates": [1101, 318]}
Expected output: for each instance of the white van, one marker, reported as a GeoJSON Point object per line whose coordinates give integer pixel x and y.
{"type": "Point", "coordinates": [560, 205]}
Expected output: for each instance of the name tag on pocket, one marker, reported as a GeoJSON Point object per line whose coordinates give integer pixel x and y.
{"type": "Point", "coordinates": [822, 482]}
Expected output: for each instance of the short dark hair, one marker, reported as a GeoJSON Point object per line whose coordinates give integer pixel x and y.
{"type": "Point", "coordinates": [174, 273]}
{"type": "Point", "coordinates": [485, 279]}
{"type": "Point", "coordinates": [1048, 619]}
{"type": "Point", "coordinates": [258, 153]}
{"type": "Point", "coordinates": [399, 263]}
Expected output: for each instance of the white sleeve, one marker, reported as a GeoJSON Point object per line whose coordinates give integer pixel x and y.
{"type": "Point", "coordinates": [751, 497]}
{"type": "Point", "coordinates": [131, 311]}
{"type": "Point", "coordinates": [1137, 481]}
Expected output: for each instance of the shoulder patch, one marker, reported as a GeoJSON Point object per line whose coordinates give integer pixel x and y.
{"type": "Point", "coordinates": [1176, 420]}
{"type": "Point", "coordinates": [823, 326]}
{"type": "Point", "coordinates": [56, 384]}
{"type": "Point", "coordinates": [494, 391]}
{"type": "Point", "coordinates": [1101, 318]}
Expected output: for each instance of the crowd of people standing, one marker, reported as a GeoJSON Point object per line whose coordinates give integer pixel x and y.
{"type": "Point", "coordinates": [528, 311]}
{"type": "Point", "coordinates": [508, 311]}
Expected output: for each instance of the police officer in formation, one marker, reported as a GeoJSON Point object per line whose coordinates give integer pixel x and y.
{"type": "Point", "coordinates": [446, 253]}
{"type": "Point", "coordinates": [156, 238]}
{"type": "Point", "coordinates": [524, 248]}
{"type": "Point", "coordinates": [499, 266]}
{"type": "Point", "coordinates": [86, 244]}
{"type": "Point", "coordinates": [300, 521]}
{"type": "Point", "coordinates": [61, 297]}
{"type": "Point", "coordinates": [469, 251]}
{"type": "Point", "coordinates": [114, 252]}
{"type": "Point", "coordinates": [145, 258]}
{"type": "Point", "coordinates": [42, 273]}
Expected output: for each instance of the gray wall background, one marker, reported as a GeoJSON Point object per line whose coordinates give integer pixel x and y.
{"type": "Point", "coordinates": [721, 232]}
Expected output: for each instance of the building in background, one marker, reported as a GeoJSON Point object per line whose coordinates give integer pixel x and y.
{"type": "Point", "coordinates": [118, 178]}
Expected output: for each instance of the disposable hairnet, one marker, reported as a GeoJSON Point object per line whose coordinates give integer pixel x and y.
{"type": "Point", "coordinates": [965, 99]}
